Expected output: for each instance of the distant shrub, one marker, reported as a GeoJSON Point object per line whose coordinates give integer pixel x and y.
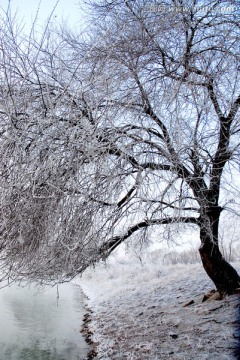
{"type": "Point", "coordinates": [190, 256]}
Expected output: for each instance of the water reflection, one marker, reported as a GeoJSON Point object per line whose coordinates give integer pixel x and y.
{"type": "Point", "coordinates": [39, 326]}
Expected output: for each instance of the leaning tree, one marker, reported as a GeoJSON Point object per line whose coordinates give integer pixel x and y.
{"type": "Point", "coordinates": [112, 133]}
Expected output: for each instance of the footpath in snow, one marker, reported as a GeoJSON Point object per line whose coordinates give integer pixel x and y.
{"type": "Point", "coordinates": [138, 313]}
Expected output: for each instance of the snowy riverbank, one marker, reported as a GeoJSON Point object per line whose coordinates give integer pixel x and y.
{"type": "Point", "coordinates": [138, 313]}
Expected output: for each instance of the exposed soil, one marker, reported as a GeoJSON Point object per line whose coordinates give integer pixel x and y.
{"type": "Point", "coordinates": [87, 334]}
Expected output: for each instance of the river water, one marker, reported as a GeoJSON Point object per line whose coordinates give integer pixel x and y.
{"type": "Point", "coordinates": [39, 325]}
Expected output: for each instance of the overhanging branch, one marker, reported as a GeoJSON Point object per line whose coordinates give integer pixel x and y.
{"type": "Point", "coordinates": [115, 241]}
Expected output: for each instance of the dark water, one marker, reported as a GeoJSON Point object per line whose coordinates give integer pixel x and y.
{"type": "Point", "coordinates": [39, 326]}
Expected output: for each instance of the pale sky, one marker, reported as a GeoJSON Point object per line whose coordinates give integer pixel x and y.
{"type": "Point", "coordinates": [66, 10]}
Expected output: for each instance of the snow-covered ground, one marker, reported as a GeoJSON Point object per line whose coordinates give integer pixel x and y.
{"type": "Point", "coordinates": [139, 313]}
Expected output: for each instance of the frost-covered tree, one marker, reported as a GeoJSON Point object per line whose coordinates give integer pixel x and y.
{"type": "Point", "coordinates": [112, 134]}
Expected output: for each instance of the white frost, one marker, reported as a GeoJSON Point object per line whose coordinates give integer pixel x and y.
{"type": "Point", "coordinates": [139, 313]}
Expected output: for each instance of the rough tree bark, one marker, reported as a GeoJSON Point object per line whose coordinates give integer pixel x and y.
{"type": "Point", "coordinates": [224, 276]}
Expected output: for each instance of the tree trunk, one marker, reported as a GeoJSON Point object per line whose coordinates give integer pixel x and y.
{"type": "Point", "coordinates": [224, 276]}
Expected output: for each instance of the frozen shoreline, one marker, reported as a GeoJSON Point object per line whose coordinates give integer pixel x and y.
{"type": "Point", "coordinates": [87, 334]}
{"type": "Point", "coordinates": [138, 313]}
